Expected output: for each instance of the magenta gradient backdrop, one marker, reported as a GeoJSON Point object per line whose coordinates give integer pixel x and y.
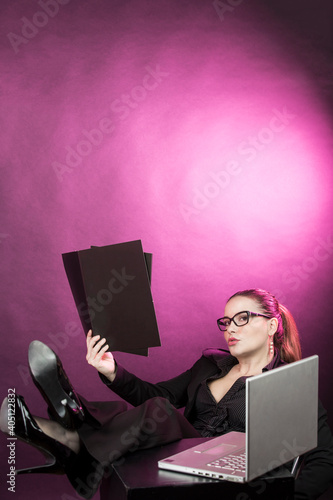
{"type": "Point", "coordinates": [205, 133]}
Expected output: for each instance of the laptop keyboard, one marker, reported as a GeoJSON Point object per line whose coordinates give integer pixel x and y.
{"type": "Point", "coordinates": [231, 462]}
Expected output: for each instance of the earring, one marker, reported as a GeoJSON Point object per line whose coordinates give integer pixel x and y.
{"type": "Point", "coordinates": [271, 346]}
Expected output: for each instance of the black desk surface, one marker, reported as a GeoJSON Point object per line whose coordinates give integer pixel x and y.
{"type": "Point", "coordinates": [137, 477]}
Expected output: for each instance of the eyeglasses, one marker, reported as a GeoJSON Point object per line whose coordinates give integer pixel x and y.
{"type": "Point", "coordinates": [240, 319]}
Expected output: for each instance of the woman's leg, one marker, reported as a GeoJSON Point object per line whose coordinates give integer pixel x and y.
{"type": "Point", "coordinates": [57, 432]}
{"type": "Point", "coordinates": [153, 423]}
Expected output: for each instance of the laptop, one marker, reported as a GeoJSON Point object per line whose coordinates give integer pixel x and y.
{"type": "Point", "coordinates": [281, 424]}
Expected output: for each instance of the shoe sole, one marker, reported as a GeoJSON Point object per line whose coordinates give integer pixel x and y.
{"type": "Point", "coordinates": [44, 370]}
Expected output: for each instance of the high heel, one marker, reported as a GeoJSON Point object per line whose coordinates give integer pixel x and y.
{"type": "Point", "coordinates": [50, 378]}
{"type": "Point", "coordinates": [82, 470]}
{"type": "Point", "coordinates": [24, 427]}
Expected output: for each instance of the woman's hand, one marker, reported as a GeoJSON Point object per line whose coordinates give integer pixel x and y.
{"type": "Point", "coordinates": [98, 357]}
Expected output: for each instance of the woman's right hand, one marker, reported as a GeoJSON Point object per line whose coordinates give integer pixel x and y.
{"type": "Point", "coordinates": [98, 357]}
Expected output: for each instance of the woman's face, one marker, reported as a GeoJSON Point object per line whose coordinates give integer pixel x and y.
{"type": "Point", "coordinates": [252, 338]}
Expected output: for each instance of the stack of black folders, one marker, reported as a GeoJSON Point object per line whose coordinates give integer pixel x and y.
{"type": "Point", "coordinates": [111, 290]}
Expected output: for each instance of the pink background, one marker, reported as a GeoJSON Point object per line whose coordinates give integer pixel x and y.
{"type": "Point", "coordinates": [204, 132]}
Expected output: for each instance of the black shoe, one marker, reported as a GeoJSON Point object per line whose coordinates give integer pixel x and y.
{"type": "Point", "coordinates": [82, 470]}
{"type": "Point", "coordinates": [17, 421]}
{"type": "Point", "coordinates": [50, 378]}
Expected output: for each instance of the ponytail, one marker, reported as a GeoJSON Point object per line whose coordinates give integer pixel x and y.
{"type": "Point", "coordinates": [288, 343]}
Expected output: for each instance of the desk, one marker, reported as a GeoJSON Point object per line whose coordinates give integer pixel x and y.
{"type": "Point", "coordinates": [138, 478]}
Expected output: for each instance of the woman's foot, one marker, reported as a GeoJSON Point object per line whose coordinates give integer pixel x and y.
{"type": "Point", "coordinates": [17, 421]}
{"type": "Point", "coordinates": [60, 447]}
{"type": "Point", "coordinates": [51, 380]}
{"type": "Point", "coordinates": [49, 427]}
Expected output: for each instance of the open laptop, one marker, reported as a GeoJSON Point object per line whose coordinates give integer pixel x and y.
{"type": "Point", "coordinates": [281, 424]}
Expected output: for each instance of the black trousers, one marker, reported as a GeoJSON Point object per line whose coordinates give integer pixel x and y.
{"type": "Point", "coordinates": [111, 431]}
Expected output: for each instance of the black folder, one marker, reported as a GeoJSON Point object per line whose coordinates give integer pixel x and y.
{"type": "Point", "coordinates": [111, 289]}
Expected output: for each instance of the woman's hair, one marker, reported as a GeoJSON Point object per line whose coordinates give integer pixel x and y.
{"type": "Point", "coordinates": [286, 338]}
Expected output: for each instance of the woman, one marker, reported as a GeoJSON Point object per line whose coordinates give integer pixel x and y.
{"type": "Point", "coordinates": [85, 438]}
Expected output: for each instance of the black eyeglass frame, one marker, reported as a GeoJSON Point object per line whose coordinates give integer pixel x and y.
{"type": "Point", "coordinates": [248, 313]}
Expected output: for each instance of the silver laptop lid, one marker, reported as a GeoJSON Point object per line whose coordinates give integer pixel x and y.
{"type": "Point", "coordinates": [291, 392]}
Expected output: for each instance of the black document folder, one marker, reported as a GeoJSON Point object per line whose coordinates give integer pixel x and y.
{"type": "Point", "coordinates": [111, 290]}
